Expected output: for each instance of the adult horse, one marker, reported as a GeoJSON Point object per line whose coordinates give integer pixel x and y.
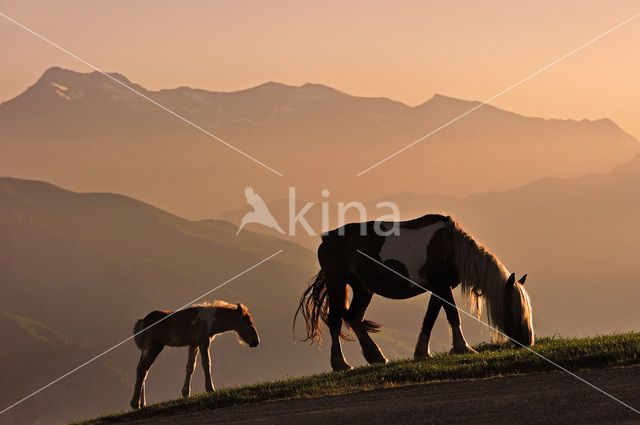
{"type": "Point", "coordinates": [400, 260]}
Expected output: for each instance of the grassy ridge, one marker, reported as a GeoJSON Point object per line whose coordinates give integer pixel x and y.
{"type": "Point", "coordinates": [492, 360]}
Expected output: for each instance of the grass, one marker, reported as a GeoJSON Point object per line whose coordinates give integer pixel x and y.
{"type": "Point", "coordinates": [492, 360]}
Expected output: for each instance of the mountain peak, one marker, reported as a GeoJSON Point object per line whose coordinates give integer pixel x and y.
{"type": "Point", "coordinates": [317, 86]}
{"type": "Point", "coordinates": [438, 96]}
{"type": "Point", "coordinates": [440, 100]}
{"type": "Point", "coordinates": [56, 72]}
{"type": "Point", "coordinates": [57, 83]}
{"type": "Point", "coordinates": [272, 85]}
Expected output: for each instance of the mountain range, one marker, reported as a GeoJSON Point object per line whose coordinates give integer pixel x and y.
{"type": "Point", "coordinates": [88, 133]}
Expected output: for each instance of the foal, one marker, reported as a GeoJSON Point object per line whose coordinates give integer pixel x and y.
{"type": "Point", "coordinates": [194, 326]}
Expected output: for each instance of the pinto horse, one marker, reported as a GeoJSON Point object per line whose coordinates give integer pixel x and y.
{"type": "Point", "coordinates": [194, 327]}
{"type": "Point", "coordinates": [400, 260]}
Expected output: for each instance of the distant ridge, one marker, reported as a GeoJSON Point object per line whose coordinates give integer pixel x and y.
{"type": "Point", "coordinates": [88, 133]}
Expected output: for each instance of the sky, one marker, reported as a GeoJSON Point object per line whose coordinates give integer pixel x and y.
{"type": "Point", "coordinates": [405, 51]}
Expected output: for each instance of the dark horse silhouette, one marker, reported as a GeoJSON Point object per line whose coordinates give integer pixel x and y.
{"type": "Point", "coordinates": [432, 252]}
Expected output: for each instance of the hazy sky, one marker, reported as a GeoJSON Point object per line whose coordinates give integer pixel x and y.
{"type": "Point", "coordinates": [406, 51]}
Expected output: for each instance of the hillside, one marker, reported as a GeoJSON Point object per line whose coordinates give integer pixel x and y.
{"type": "Point", "coordinates": [89, 265]}
{"type": "Point", "coordinates": [86, 132]}
{"type": "Point", "coordinates": [492, 360]}
{"type": "Point", "coordinates": [32, 353]}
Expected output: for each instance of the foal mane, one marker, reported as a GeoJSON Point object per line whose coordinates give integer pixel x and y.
{"type": "Point", "coordinates": [221, 304]}
{"type": "Point", "coordinates": [482, 276]}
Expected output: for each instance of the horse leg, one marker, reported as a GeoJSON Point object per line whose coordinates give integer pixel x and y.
{"type": "Point", "coordinates": [143, 399]}
{"type": "Point", "coordinates": [206, 365]}
{"type": "Point", "coordinates": [355, 318]}
{"type": "Point", "coordinates": [460, 345]}
{"type": "Point", "coordinates": [146, 361]}
{"type": "Point", "coordinates": [337, 302]}
{"type": "Point", "coordinates": [191, 367]}
{"type": "Point", "coordinates": [422, 351]}
{"type": "Point", "coordinates": [137, 389]}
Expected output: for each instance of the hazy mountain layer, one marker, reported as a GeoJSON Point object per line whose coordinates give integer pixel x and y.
{"type": "Point", "coordinates": [87, 132]}
{"type": "Point", "coordinates": [32, 356]}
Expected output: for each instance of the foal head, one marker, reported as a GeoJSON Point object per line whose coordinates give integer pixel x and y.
{"type": "Point", "coordinates": [518, 323]}
{"type": "Point", "coordinates": [244, 326]}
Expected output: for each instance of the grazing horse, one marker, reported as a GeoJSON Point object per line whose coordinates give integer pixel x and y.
{"type": "Point", "coordinates": [428, 253]}
{"type": "Point", "coordinates": [194, 326]}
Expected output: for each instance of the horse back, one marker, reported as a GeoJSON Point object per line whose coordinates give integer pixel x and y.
{"type": "Point", "coordinates": [355, 230]}
{"type": "Point", "coordinates": [155, 315]}
{"type": "Point", "coordinates": [178, 328]}
{"type": "Point", "coordinates": [370, 235]}
{"type": "Point", "coordinates": [344, 252]}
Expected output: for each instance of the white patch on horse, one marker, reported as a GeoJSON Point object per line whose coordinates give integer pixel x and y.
{"type": "Point", "coordinates": [207, 315]}
{"type": "Point", "coordinates": [410, 248]}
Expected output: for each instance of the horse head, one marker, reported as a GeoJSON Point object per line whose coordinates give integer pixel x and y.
{"type": "Point", "coordinates": [518, 324]}
{"type": "Point", "coordinates": [245, 328]}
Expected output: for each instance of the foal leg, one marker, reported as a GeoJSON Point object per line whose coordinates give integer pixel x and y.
{"type": "Point", "coordinates": [146, 361]}
{"type": "Point", "coordinates": [422, 351]}
{"type": "Point", "coordinates": [206, 365]}
{"type": "Point", "coordinates": [355, 318]}
{"type": "Point", "coordinates": [137, 389]}
{"type": "Point", "coordinates": [337, 302]}
{"type": "Point", "coordinates": [191, 367]}
{"type": "Point", "coordinates": [460, 345]}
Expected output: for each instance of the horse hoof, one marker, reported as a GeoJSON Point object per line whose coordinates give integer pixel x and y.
{"type": "Point", "coordinates": [337, 367]}
{"type": "Point", "coordinates": [375, 358]}
{"type": "Point", "coordinates": [134, 405]}
{"type": "Point", "coordinates": [422, 357]}
{"type": "Point", "coordinates": [381, 359]}
{"type": "Point", "coordinates": [463, 350]}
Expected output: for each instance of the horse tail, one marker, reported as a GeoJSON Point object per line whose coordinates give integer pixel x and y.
{"type": "Point", "coordinates": [137, 333]}
{"type": "Point", "coordinates": [371, 326]}
{"type": "Point", "coordinates": [314, 307]}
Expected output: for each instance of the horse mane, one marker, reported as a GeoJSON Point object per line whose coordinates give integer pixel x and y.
{"type": "Point", "coordinates": [482, 276]}
{"type": "Point", "coordinates": [221, 304]}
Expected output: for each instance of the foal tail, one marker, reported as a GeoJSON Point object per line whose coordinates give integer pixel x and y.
{"type": "Point", "coordinates": [137, 333]}
{"type": "Point", "coordinates": [314, 306]}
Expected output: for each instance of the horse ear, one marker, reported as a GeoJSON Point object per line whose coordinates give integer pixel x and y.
{"type": "Point", "coordinates": [512, 279]}
{"type": "Point", "coordinates": [522, 280]}
{"type": "Point", "coordinates": [239, 307]}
